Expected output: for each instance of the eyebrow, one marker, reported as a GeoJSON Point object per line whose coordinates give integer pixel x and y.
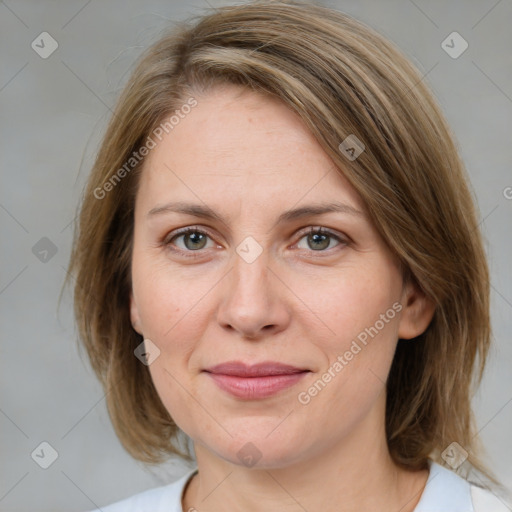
{"type": "Point", "coordinates": [204, 211]}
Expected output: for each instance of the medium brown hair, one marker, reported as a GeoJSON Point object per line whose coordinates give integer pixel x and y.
{"type": "Point", "coordinates": [342, 78]}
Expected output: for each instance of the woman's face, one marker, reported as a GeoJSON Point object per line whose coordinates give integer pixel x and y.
{"type": "Point", "coordinates": [252, 285]}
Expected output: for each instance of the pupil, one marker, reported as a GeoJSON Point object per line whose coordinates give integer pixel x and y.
{"type": "Point", "coordinates": [196, 239]}
{"type": "Point", "coordinates": [322, 238]}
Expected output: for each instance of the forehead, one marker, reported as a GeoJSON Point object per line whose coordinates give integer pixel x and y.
{"type": "Point", "coordinates": [240, 144]}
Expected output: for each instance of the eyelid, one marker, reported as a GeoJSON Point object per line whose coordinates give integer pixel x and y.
{"type": "Point", "coordinates": [183, 231]}
{"type": "Point", "coordinates": [343, 240]}
{"type": "Point", "coordinates": [324, 231]}
{"type": "Point", "coordinates": [165, 242]}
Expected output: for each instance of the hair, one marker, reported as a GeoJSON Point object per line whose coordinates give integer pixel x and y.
{"type": "Point", "coordinates": [342, 78]}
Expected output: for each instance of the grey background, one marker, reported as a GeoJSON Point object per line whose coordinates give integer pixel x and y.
{"type": "Point", "coordinates": [53, 113]}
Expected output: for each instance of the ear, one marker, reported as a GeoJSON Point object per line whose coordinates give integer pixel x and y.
{"type": "Point", "coordinates": [134, 315]}
{"type": "Point", "coordinates": [417, 312]}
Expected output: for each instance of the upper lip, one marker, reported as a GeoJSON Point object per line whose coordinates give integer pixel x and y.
{"type": "Point", "coordinates": [240, 369]}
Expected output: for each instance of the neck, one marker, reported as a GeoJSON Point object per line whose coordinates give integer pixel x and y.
{"type": "Point", "coordinates": [355, 474]}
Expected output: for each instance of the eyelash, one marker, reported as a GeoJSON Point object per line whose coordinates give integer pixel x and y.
{"type": "Point", "coordinates": [313, 230]}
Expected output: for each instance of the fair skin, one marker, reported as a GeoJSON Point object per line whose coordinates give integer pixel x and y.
{"type": "Point", "coordinates": [300, 302]}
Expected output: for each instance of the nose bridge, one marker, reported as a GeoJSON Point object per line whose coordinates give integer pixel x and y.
{"type": "Point", "coordinates": [251, 302]}
{"type": "Point", "coordinates": [249, 281]}
{"type": "Point", "coordinates": [250, 272]}
{"type": "Point", "coordinates": [250, 260]}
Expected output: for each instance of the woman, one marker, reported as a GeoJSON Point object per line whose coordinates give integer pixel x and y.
{"type": "Point", "coordinates": [279, 257]}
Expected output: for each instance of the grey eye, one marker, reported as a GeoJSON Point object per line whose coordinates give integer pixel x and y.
{"type": "Point", "coordinates": [319, 241]}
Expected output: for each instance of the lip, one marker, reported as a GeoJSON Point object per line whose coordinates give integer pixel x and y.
{"type": "Point", "coordinates": [251, 382]}
{"type": "Point", "coordinates": [264, 369]}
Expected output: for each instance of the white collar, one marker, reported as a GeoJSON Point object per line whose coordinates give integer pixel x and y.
{"type": "Point", "coordinates": [445, 491]}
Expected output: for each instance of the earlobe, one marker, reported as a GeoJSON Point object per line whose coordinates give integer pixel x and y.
{"type": "Point", "coordinates": [417, 313]}
{"type": "Point", "coordinates": [134, 315]}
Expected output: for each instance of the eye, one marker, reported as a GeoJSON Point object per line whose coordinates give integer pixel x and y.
{"type": "Point", "coordinates": [193, 239]}
{"type": "Point", "coordinates": [319, 239]}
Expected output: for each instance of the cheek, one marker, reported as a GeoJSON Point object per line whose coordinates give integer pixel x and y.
{"type": "Point", "coordinates": [173, 317]}
{"type": "Point", "coordinates": [356, 300]}
{"type": "Point", "coordinates": [169, 302]}
{"type": "Point", "coordinates": [362, 312]}
{"type": "Point", "coordinates": [357, 357]}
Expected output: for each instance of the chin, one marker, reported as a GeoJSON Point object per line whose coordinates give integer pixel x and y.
{"type": "Point", "coordinates": [260, 448]}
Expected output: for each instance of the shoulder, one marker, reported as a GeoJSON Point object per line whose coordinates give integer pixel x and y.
{"type": "Point", "coordinates": [445, 490]}
{"type": "Point", "coordinates": [166, 498]}
{"type": "Point", "coordinates": [485, 501]}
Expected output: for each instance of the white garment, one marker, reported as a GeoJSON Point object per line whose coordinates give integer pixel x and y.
{"type": "Point", "coordinates": [445, 491]}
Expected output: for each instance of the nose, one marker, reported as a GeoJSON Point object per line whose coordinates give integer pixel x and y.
{"type": "Point", "coordinates": [254, 303]}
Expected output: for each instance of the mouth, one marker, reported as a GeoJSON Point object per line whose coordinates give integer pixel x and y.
{"type": "Point", "coordinates": [258, 381]}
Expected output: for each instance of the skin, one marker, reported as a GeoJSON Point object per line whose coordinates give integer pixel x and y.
{"type": "Point", "coordinates": [250, 158]}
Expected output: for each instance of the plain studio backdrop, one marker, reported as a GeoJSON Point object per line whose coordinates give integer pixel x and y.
{"type": "Point", "coordinates": [56, 97]}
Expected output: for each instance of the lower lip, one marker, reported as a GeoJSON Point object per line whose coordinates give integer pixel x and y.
{"type": "Point", "coordinates": [255, 387]}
